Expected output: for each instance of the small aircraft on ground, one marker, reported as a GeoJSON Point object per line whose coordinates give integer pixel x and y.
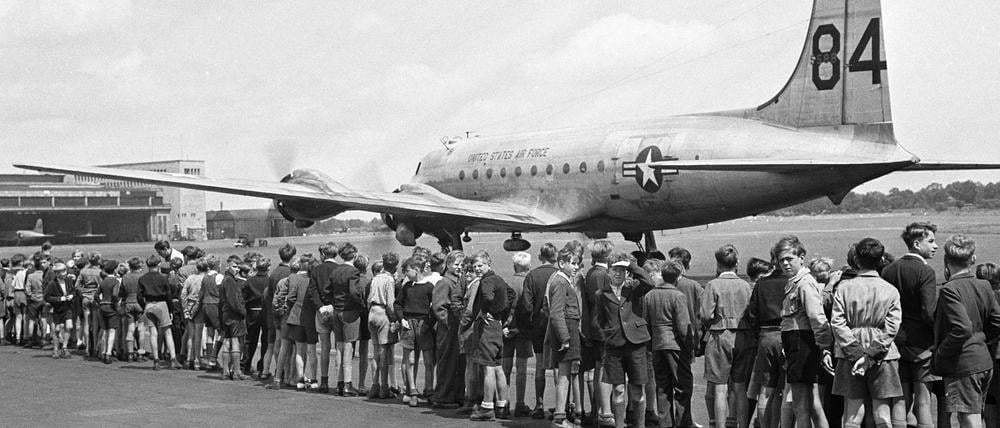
{"type": "Point", "coordinates": [826, 131]}
{"type": "Point", "coordinates": [25, 236]}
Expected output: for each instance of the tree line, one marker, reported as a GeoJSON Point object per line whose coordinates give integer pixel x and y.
{"type": "Point", "coordinates": [934, 197]}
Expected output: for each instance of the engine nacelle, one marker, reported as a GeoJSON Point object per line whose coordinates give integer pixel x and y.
{"type": "Point", "coordinates": [407, 234]}
{"type": "Point", "coordinates": [303, 212]}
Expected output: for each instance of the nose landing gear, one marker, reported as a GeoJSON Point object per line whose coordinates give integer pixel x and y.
{"type": "Point", "coordinates": [644, 252]}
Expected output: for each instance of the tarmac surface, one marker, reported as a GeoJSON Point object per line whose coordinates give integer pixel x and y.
{"type": "Point", "coordinates": [40, 391]}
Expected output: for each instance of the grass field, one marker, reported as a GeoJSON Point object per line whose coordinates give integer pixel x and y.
{"type": "Point", "coordinates": [823, 236]}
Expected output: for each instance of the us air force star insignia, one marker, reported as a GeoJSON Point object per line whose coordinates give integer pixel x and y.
{"type": "Point", "coordinates": [647, 175]}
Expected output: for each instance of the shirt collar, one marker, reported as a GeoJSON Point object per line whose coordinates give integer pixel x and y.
{"type": "Point", "coordinates": [800, 274]}
{"type": "Point", "coordinates": [330, 260]}
{"type": "Point", "coordinates": [729, 274]}
{"type": "Point", "coordinates": [868, 273]}
{"type": "Point", "coordinates": [603, 265]}
{"type": "Point", "coordinates": [916, 256]}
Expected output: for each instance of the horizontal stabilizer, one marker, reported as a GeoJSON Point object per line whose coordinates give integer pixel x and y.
{"type": "Point", "coordinates": [951, 166]}
{"type": "Point", "coordinates": [775, 165]}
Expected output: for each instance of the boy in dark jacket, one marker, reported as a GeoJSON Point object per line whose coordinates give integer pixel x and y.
{"type": "Point", "coordinates": [666, 313]}
{"type": "Point", "coordinates": [619, 313]}
{"type": "Point", "coordinates": [967, 317]}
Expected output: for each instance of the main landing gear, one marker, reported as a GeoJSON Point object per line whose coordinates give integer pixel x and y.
{"type": "Point", "coordinates": [647, 251]}
{"type": "Point", "coordinates": [516, 243]}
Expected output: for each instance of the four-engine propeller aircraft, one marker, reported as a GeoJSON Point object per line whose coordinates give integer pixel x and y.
{"type": "Point", "coordinates": [827, 130]}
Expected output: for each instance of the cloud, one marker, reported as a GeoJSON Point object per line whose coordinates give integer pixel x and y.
{"type": "Point", "coordinates": [51, 21]}
{"type": "Point", "coordinates": [618, 44]}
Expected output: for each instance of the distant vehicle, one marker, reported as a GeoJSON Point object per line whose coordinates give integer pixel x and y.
{"type": "Point", "coordinates": [243, 241]}
{"type": "Point", "coordinates": [25, 237]}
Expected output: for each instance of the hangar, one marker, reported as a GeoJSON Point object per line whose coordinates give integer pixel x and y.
{"type": "Point", "coordinates": [73, 212]}
{"type": "Point", "coordinates": [86, 209]}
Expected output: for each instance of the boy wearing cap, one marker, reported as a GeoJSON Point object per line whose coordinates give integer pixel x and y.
{"type": "Point", "coordinates": [619, 314]}
{"type": "Point", "coordinates": [59, 292]}
{"type": "Point", "coordinates": [967, 317]}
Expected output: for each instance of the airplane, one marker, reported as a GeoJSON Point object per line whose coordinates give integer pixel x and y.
{"type": "Point", "coordinates": [828, 130]}
{"type": "Point", "coordinates": [24, 237]}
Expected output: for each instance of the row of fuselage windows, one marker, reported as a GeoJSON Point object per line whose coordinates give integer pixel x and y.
{"type": "Point", "coordinates": [534, 171]}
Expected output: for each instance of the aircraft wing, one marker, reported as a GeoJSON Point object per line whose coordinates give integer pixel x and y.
{"type": "Point", "coordinates": [772, 165]}
{"type": "Point", "coordinates": [951, 166]}
{"type": "Point", "coordinates": [412, 200]}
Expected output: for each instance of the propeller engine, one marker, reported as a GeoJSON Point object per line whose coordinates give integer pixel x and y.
{"type": "Point", "coordinates": [305, 213]}
{"type": "Point", "coordinates": [406, 230]}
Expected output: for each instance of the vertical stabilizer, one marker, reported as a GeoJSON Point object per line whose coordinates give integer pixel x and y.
{"type": "Point", "coordinates": [840, 78]}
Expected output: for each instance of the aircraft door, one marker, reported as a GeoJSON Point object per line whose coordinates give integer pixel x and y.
{"type": "Point", "coordinates": [626, 151]}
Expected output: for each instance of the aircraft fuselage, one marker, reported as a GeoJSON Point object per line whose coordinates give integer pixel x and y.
{"type": "Point", "coordinates": [597, 178]}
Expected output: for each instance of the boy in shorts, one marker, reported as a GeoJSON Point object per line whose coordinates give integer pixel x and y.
{"type": "Point", "coordinates": [413, 307]}
{"type": "Point", "coordinates": [562, 341]}
{"type": "Point", "coordinates": [805, 332]}
{"type": "Point", "coordinates": [865, 318]}
{"type": "Point", "coordinates": [723, 304]}
{"type": "Point", "coordinates": [488, 306]}
{"type": "Point", "coordinates": [967, 317]}
{"type": "Point", "coordinates": [619, 318]}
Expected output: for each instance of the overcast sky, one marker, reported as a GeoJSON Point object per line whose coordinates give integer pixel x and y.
{"type": "Point", "coordinates": [362, 90]}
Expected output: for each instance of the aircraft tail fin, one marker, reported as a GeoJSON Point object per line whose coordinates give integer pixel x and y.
{"type": "Point", "coordinates": [38, 226]}
{"type": "Point", "coordinates": [840, 78]}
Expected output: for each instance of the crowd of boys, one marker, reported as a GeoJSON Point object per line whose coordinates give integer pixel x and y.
{"type": "Point", "coordinates": [802, 343]}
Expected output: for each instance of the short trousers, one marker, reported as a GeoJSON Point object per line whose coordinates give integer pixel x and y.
{"type": "Point", "coordinates": [301, 334]}
{"type": "Point", "coordinates": [966, 394]}
{"type": "Point", "coordinates": [20, 299]}
{"type": "Point", "coordinates": [553, 356]}
{"type": "Point", "coordinates": [108, 316]}
{"type": "Point", "coordinates": [916, 371]}
{"type": "Point", "coordinates": [802, 356]}
{"type": "Point", "coordinates": [666, 364]}
{"type": "Point", "coordinates": [347, 326]}
{"type": "Point", "coordinates": [590, 355]}
{"type": "Point", "coordinates": [270, 333]}
{"type": "Point", "coordinates": [719, 355]}
{"type": "Point", "coordinates": [158, 314]}
{"type": "Point", "coordinates": [537, 340]}
{"type": "Point", "coordinates": [518, 346]}
{"type": "Point", "coordinates": [743, 357]}
{"type": "Point", "coordinates": [210, 315]}
{"type": "Point", "coordinates": [486, 343]}
{"type": "Point", "coordinates": [378, 325]}
{"type": "Point", "coordinates": [621, 361]}
{"type": "Point", "coordinates": [87, 303]}
{"type": "Point", "coordinates": [234, 329]}
{"type": "Point", "coordinates": [420, 335]}
{"type": "Point", "coordinates": [363, 332]}
{"type": "Point", "coordinates": [133, 311]}
{"type": "Point", "coordinates": [35, 310]}
{"type": "Point", "coordinates": [62, 316]}
{"type": "Point", "coordinates": [769, 363]}
{"type": "Point", "coordinates": [880, 381]}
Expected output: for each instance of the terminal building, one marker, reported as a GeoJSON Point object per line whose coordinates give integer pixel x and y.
{"type": "Point", "coordinates": [85, 209]}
